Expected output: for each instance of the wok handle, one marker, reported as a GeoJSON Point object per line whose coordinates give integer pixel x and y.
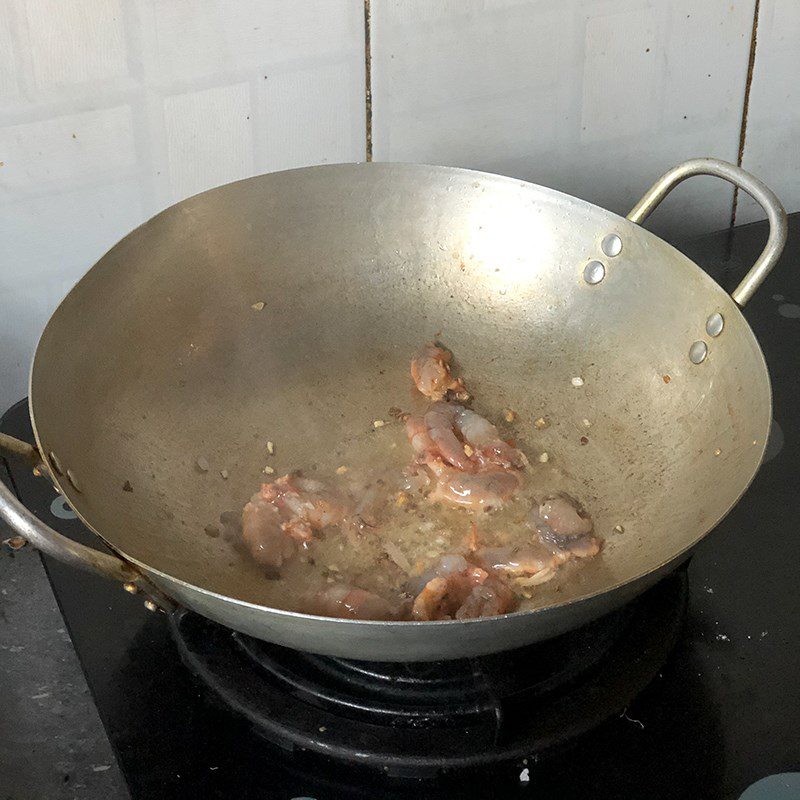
{"type": "Point", "coordinates": [44, 538]}
{"type": "Point", "coordinates": [762, 194]}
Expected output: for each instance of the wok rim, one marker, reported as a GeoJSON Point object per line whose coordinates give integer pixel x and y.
{"type": "Point", "coordinates": [299, 616]}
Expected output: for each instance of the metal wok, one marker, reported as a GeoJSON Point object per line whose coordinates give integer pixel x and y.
{"type": "Point", "coordinates": [155, 357]}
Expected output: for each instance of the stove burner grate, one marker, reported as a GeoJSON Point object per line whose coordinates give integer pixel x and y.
{"type": "Point", "coordinates": [419, 719]}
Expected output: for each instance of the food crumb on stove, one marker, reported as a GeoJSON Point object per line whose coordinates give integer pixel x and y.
{"type": "Point", "coordinates": [666, 378]}
{"type": "Point", "coordinates": [584, 440]}
{"type": "Point", "coordinates": [577, 381]}
{"type": "Point", "coordinates": [540, 424]}
{"type": "Point", "coordinates": [202, 464]}
{"type": "Point", "coordinates": [717, 451]}
{"type": "Point", "coordinates": [378, 423]}
{"type": "Point", "coordinates": [341, 470]}
{"type": "Point", "coordinates": [212, 531]}
{"type": "Point", "coordinates": [468, 451]}
{"type": "Point", "coordinates": [126, 487]}
{"type": "Point", "coordinates": [509, 415]}
{"type": "Point", "coordinates": [259, 306]}
{"type": "Point", "coordinates": [525, 776]}
{"type": "Point", "coordinates": [755, 442]}
{"type": "Point", "coordinates": [624, 715]}
{"type": "Point", "coordinates": [15, 542]}
{"type": "Point", "coordinates": [544, 458]}
{"type": "Point", "coordinates": [268, 470]}
{"type": "Point", "coordinates": [271, 448]}
{"type": "Point", "coordinates": [721, 637]}
{"type": "Point", "coordinates": [708, 589]}
{"type": "Point", "coordinates": [587, 424]}
{"type": "Point", "coordinates": [322, 729]}
{"type": "Point", "coordinates": [764, 633]}
{"type": "Point", "coordinates": [224, 474]}
{"type": "Point", "coordinates": [619, 529]}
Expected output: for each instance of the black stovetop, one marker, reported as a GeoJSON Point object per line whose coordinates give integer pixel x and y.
{"type": "Point", "coordinates": [723, 712]}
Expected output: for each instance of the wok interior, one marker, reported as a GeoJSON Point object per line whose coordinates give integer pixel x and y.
{"type": "Point", "coordinates": [157, 359]}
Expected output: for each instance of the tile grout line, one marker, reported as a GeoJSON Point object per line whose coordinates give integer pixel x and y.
{"type": "Point", "coordinates": [751, 62]}
{"type": "Point", "coordinates": [368, 78]}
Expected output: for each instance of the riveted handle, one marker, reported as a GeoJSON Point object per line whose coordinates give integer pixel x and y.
{"type": "Point", "coordinates": [762, 194]}
{"type": "Point", "coordinates": [44, 538]}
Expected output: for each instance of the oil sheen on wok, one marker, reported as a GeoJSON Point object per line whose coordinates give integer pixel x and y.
{"type": "Point", "coordinates": [436, 514]}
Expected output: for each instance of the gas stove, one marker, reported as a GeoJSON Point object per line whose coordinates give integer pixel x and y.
{"type": "Point", "coordinates": [689, 692]}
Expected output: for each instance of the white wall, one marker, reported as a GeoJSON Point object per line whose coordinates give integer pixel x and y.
{"type": "Point", "coordinates": [111, 110]}
{"type": "Point", "coordinates": [593, 97]}
{"type": "Point", "coordinates": [772, 143]}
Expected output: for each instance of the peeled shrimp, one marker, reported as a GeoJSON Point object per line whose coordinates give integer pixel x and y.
{"type": "Point", "coordinates": [517, 561]}
{"type": "Point", "coordinates": [460, 437]}
{"type": "Point", "coordinates": [262, 532]}
{"type": "Point", "coordinates": [562, 527]}
{"type": "Point", "coordinates": [348, 602]}
{"type": "Point", "coordinates": [489, 599]}
{"type": "Point", "coordinates": [473, 467]}
{"type": "Point", "coordinates": [286, 513]}
{"type": "Point", "coordinates": [456, 589]}
{"type": "Point", "coordinates": [476, 491]}
{"type": "Point", "coordinates": [430, 370]}
{"type": "Point", "coordinates": [306, 505]}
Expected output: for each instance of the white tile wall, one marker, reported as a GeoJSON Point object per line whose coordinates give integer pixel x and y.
{"type": "Point", "coordinates": [772, 145]}
{"type": "Point", "coordinates": [209, 138]}
{"type": "Point", "coordinates": [596, 98]}
{"type": "Point", "coordinates": [75, 42]}
{"type": "Point", "coordinates": [111, 110]}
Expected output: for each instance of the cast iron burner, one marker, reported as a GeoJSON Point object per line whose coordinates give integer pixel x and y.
{"type": "Point", "coordinates": [423, 719]}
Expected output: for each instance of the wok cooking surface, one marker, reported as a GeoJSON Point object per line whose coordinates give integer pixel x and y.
{"type": "Point", "coordinates": [497, 267]}
{"type": "Point", "coordinates": [724, 707]}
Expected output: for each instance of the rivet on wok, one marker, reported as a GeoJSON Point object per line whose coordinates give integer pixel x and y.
{"type": "Point", "coordinates": [714, 324]}
{"type": "Point", "coordinates": [150, 605]}
{"type": "Point", "coordinates": [56, 463]}
{"type": "Point", "coordinates": [73, 480]}
{"type": "Point", "coordinates": [611, 245]}
{"type": "Point", "coordinates": [130, 587]}
{"type": "Point", "coordinates": [698, 352]}
{"type": "Point", "coordinates": [594, 272]}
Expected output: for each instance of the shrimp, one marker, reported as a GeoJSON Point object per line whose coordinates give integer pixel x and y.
{"type": "Point", "coordinates": [456, 589]}
{"type": "Point", "coordinates": [420, 439]}
{"type": "Point", "coordinates": [489, 599]}
{"type": "Point", "coordinates": [284, 515]}
{"type": "Point", "coordinates": [305, 505]}
{"type": "Point", "coordinates": [349, 602]}
{"type": "Point", "coordinates": [263, 533]}
{"type": "Point", "coordinates": [430, 370]}
{"type": "Point", "coordinates": [462, 438]}
{"type": "Point", "coordinates": [477, 491]}
{"type": "Point", "coordinates": [485, 440]}
{"type": "Point", "coordinates": [462, 450]}
{"type": "Point", "coordinates": [517, 561]}
{"type": "Point", "coordinates": [562, 527]}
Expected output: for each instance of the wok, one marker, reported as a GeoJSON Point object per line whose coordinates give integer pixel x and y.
{"type": "Point", "coordinates": [156, 358]}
